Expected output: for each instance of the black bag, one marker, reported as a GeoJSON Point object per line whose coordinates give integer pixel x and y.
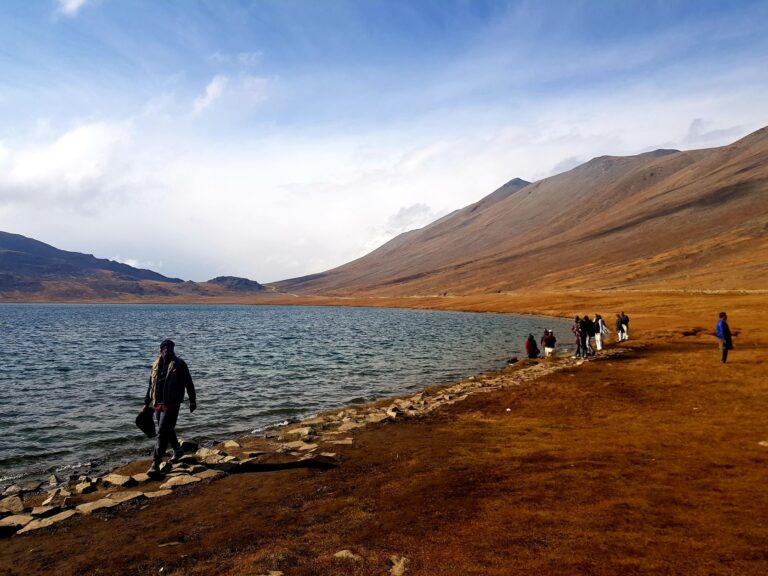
{"type": "Point", "coordinates": [146, 422]}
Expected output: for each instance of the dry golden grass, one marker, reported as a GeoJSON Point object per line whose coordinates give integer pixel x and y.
{"type": "Point", "coordinates": [646, 463]}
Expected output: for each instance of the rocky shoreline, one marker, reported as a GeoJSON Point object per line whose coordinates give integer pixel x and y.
{"type": "Point", "coordinates": [30, 506]}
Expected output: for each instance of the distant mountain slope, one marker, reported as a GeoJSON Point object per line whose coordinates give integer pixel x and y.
{"type": "Point", "coordinates": [33, 270]}
{"type": "Point", "coordinates": [24, 256]}
{"type": "Point", "coordinates": [664, 219]}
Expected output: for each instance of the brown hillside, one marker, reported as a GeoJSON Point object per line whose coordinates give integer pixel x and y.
{"type": "Point", "coordinates": [661, 220]}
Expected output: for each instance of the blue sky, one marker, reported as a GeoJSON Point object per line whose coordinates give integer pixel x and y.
{"type": "Point", "coordinates": [291, 136]}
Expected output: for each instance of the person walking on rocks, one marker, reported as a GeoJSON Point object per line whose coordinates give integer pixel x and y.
{"type": "Point", "coordinates": [168, 381]}
{"type": "Point", "coordinates": [724, 338]}
{"type": "Point", "coordinates": [619, 328]}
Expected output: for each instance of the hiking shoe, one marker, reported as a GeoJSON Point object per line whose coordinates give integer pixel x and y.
{"type": "Point", "coordinates": [154, 470]}
{"type": "Point", "coordinates": [177, 455]}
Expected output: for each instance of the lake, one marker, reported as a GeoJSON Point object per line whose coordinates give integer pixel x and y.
{"type": "Point", "coordinates": [73, 377]}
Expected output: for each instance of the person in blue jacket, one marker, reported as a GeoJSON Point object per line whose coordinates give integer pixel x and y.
{"type": "Point", "coordinates": [723, 333]}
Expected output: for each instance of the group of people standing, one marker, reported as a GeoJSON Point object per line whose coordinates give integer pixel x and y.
{"type": "Point", "coordinates": [588, 333]}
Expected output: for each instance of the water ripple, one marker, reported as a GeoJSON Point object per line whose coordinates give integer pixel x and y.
{"type": "Point", "coordinates": [70, 404]}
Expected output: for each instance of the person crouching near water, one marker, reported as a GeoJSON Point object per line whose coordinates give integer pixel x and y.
{"type": "Point", "coordinates": [548, 342]}
{"type": "Point", "coordinates": [531, 348]}
{"type": "Point", "coordinates": [168, 381]}
{"type": "Point", "coordinates": [724, 338]}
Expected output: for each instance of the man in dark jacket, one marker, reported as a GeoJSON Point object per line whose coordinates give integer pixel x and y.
{"type": "Point", "coordinates": [168, 381]}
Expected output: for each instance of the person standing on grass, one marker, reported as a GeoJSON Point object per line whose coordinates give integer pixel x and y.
{"type": "Point", "coordinates": [584, 325]}
{"type": "Point", "coordinates": [723, 333]}
{"type": "Point", "coordinates": [600, 330]}
{"type": "Point", "coordinates": [590, 326]}
{"type": "Point", "coordinates": [531, 348]}
{"type": "Point", "coordinates": [168, 381]}
{"type": "Point", "coordinates": [625, 326]}
{"type": "Point", "coordinates": [619, 328]}
{"type": "Point", "coordinates": [548, 342]}
{"type": "Point", "coordinates": [576, 329]}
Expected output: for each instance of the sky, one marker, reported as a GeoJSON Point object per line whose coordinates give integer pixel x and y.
{"type": "Point", "coordinates": [271, 139]}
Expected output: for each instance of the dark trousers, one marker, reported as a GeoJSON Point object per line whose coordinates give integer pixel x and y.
{"type": "Point", "coordinates": [166, 432]}
{"type": "Point", "coordinates": [584, 345]}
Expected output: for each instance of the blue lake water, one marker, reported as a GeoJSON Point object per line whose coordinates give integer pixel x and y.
{"type": "Point", "coordinates": [73, 377]}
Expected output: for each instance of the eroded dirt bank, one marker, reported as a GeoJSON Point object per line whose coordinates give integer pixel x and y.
{"type": "Point", "coordinates": [648, 462]}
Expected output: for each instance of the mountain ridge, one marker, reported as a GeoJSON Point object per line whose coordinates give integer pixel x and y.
{"type": "Point", "coordinates": [620, 212]}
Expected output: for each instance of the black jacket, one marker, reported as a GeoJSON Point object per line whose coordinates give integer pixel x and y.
{"type": "Point", "coordinates": [177, 381]}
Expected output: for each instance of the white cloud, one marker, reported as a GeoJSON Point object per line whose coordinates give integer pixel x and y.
{"type": "Point", "coordinates": [71, 7]}
{"type": "Point", "coordinates": [75, 168]}
{"type": "Point", "coordinates": [213, 92]}
{"type": "Point", "coordinates": [278, 203]}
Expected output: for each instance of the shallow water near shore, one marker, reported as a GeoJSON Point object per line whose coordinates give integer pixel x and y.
{"type": "Point", "coordinates": [74, 376]}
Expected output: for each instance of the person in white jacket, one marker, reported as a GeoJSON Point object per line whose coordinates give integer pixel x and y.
{"type": "Point", "coordinates": [600, 330]}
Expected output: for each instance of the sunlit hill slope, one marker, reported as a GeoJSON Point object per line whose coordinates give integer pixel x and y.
{"type": "Point", "coordinates": [662, 220]}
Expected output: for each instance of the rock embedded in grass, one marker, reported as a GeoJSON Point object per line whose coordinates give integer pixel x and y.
{"type": "Point", "coordinates": [46, 522]}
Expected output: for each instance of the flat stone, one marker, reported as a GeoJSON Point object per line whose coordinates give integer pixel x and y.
{"type": "Point", "coordinates": [45, 511]}
{"type": "Point", "coordinates": [347, 555]}
{"type": "Point", "coordinates": [314, 421]}
{"type": "Point", "coordinates": [90, 507]}
{"type": "Point", "coordinates": [142, 478]}
{"type": "Point", "coordinates": [16, 520]}
{"type": "Point", "coordinates": [13, 490]}
{"type": "Point", "coordinates": [231, 444]}
{"type": "Point", "coordinates": [12, 504]}
{"type": "Point", "coordinates": [300, 432]}
{"type": "Point", "coordinates": [119, 480]}
{"type": "Point", "coordinates": [209, 474]}
{"type": "Point", "coordinates": [46, 522]}
{"type": "Point", "coordinates": [342, 442]}
{"type": "Point", "coordinates": [11, 524]}
{"type": "Point", "coordinates": [179, 481]}
{"type": "Point", "coordinates": [205, 452]}
{"type": "Point", "coordinates": [299, 445]}
{"type": "Point", "coordinates": [85, 487]}
{"type": "Point", "coordinates": [57, 497]}
{"type": "Point", "coordinates": [347, 426]}
{"type": "Point", "coordinates": [31, 485]}
{"type": "Point", "coordinates": [254, 453]}
{"type": "Point", "coordinates": [213, 459]}
{"type": "Point", "coordinates": [125, 496]}
{"type": "Point", "coordinates": [158, 493]}
{"type": "Point", "coordinates": [320, 460]}
{"type": "Point", "coordinates": [376, 417]}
